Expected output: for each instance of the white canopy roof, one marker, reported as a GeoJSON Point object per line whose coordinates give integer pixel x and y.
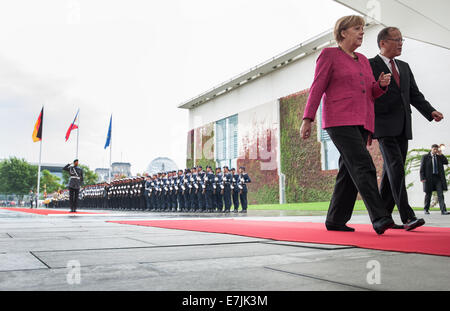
{"type": "Point", "coordinates": [426, 21]}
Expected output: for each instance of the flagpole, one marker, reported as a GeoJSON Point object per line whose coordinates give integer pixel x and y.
{"type": "Point", "coordinates": [39, 168]}
{"type": "Point", "coordinates": [110, 155]}
{"type": "Point", "coordinates": [78, 133]}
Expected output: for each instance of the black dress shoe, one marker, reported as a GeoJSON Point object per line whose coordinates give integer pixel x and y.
{"type": "Point", "coordinates": [414, 223]}
{"type": "Point", "coordinates": [427, 212]}
{"type": "Point", "coordinates": [384, 223]}
{"type": "Point", "coordinates": [445, 213]}
{"type": "Point", "coordinates": [339, 228]}
{"type": "Point", "coordinates": [398, 227]}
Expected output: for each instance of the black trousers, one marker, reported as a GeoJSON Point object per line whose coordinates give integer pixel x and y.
{"type": "Point", "coordinates": [393, 187]}
{"type": "Point", "coordinates": [357, 173]}
{"type": "Point", "coordinates": [219, 199]}
{"type": "Point", "coordinates": [209, 195]}
{"type": "Point", "coordinates": [235, 197]}
{"type": "Point", "coordinates": [243, 199]}
{"type": "Point", "coordinates": [436, 184]}
{"type": "Point", "coordinates": [227, 198]}
{"type": "Point", "coordinates": [73, 199]}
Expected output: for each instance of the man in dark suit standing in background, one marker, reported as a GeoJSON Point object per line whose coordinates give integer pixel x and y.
{"type": "Point", "coordinates": [393, 122]}
{"type": "Point", "coordinates": [432, 175]}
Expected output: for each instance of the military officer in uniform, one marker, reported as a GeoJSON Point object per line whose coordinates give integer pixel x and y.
{"type": "Point", "coordinates": [194, 190]}
{"type": "Point", "coordinates": [242, 185]}
{"type": "Point", "coordinates": [187, 190]}
{"type": "Point", "coordinates": [75, 182]}
{"type": "Point", "coordinates": [235, 189]}
{"type": "Point", "coordinates": [219, 190]}
{"type": "Point", "coordinates": [201, 198]}
{"type": "Point", "coordinates": [208, 181]}
{"type": "Point", "coordinates": [227, 179]}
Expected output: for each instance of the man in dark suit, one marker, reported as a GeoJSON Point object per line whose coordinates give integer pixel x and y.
{"type": "Point", "coordinates": [393, 122]}
{"type": "Point", "coordinates": [432, 175]}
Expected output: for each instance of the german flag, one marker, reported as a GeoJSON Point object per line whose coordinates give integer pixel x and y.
{"type": "Point", "coordinates": [37, 133]}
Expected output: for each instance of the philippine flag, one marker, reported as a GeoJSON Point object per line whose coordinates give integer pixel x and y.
{"type": "Point", "coordinates": [72, 126]}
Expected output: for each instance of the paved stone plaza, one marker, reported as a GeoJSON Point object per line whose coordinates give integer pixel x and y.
{"type": "Point", "coordinates": [85, 252]}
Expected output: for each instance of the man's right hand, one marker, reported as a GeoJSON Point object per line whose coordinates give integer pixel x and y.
{"type": "Point", "coordinates": [305, 129]}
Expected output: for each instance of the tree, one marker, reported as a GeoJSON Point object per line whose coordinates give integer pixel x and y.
{"type": "Point", "coordinates": [17, 176]}
{"type": "Point", "coordinates": [89, 177]}
{"type": "Point", "coordinates": [51, 182]}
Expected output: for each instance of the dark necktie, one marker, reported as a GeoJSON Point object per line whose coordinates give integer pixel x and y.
{"type": "Point", "coordinates": [435, 170]}
{"type": "Point", "coordinates": [395, 72]}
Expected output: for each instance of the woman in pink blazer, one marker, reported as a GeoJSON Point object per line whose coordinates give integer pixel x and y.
{"type": "Point", "coordinates": [344, 79]}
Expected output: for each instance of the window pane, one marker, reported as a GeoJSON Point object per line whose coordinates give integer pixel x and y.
{"type": "Point", "coordinates": [331, 155]}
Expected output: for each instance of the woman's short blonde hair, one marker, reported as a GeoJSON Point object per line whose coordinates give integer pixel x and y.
{"type": "Point", "coordinates": [347, 22]}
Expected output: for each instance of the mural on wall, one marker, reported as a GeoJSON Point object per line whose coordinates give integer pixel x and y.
{"type": "Point", "coordinates": [305, 180]}
{"type": "Point", "coordinates": [258, 148]}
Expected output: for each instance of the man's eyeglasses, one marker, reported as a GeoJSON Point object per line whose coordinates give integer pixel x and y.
{"type": "Point", "coordinates": [397, 40]}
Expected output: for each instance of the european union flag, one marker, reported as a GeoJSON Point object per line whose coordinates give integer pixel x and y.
{"type": "Point", "coordinates": [108, 137]}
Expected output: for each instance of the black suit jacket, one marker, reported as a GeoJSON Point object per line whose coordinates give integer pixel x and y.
{"type": "Point", "coordinates": [426, 171]}
{"type": "Point", "coordinates": [393, 109]}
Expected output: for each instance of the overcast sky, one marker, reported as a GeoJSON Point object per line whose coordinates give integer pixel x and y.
{"type": "Point", "coordinates": [134, 59]}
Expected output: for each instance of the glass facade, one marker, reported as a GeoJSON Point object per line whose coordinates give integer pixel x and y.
{"type": "Point", "coordinates": [227, 141]}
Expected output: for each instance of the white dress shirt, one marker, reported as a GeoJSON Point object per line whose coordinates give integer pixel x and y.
{"type": "Point", "coordinates": [387, 61]}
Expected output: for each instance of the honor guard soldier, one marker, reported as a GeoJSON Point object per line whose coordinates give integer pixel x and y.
{"type": "Point", "coordinates": [180, 188]}
{"type": "Point", "coordinates": [194, 190]}
{"type": "Point", "coordinates": [242, 185]}
{"type": "Point", "coordinates": [200, 193]}
{"type": "Point", "coordinates": [187, 191]}
{"type": "Point", "coordinates": [153, 193]}
{"type": "Point", "coordinates": [164, 192]}
{"type": "Point", "coordinates": [219, 190]}
{"type": "Point", "coordinates": [170, 191]}
{"type": "Point", "coordinates": [158, 197]}
{"type": "Point", "coordinates": [227, 180]}
{"type": "Point", "coordinates": [173, 183]}
{"type": "Point", "coordinates": [147, 193]}
{"type": "Point", "coordinates": [234, 189]}
{"type": "Point", "coordinates": [208, 181]}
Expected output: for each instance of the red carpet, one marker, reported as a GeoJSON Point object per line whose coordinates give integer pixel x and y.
{"type": "Point", "coordinates": [43, 211]}
{"type": "Point", "coordinates": [424, 240]}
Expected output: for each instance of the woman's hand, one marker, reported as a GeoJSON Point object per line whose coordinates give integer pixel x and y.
{"type": "Point", "coordinates": [384, 79]}
{"type": "Point", "coordinates": [305, 129]}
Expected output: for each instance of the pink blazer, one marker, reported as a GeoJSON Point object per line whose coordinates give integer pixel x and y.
{"type": "Point", "coordinates": [348, 88]}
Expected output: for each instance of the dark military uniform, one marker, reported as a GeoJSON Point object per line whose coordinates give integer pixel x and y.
{"type": "Point", "coordinates": [219, 190]}
{"type": "Point", "coordinates": [227, 180]}
{"type": "Point", "coordinates": [234, 190]}
{"type": "Point", "coordinates": [242, 185]}
{"type": "Point", "coordinates": [209, 189]}
{"type": "Point", "coordinates": [75, 182]}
